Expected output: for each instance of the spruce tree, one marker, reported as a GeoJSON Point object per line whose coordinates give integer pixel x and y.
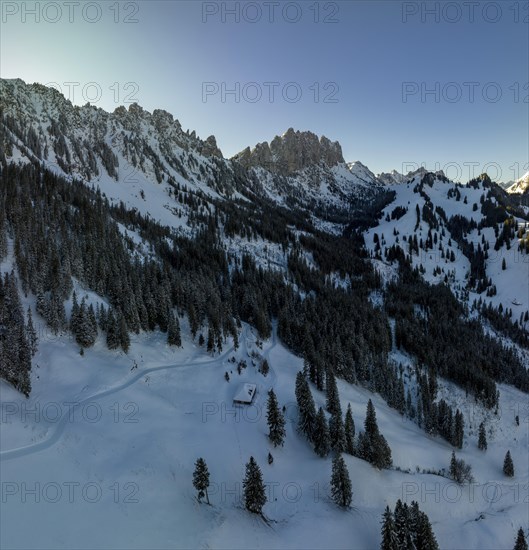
{"type": "Point", "coordinates": [306, 406]}
{"type": "Point", "coordinates": [482, 440]}
{"type": "Point", "coordinates": [254, 488]}
{"type": "Point", "coordinates": [211, 341]}
{"type": "Point", "coordinates": [389, 534]}
{"type": "Point", "coordinates": [113, 341]}
{"type": "Point", "coordinates": [521, 543]}
{"type": "Point", "coordinates": [453, 472]}
{"type": "Point", "coordinates": [275, 419]}
{"type": "Point", "coordinates": [337, 432]}
{"type": "Point", "coordinates": [201, 479]}
{"type": "Point", "coordinates": [349, 427]}
{"type": "Point", "coordinates": [31, 335]}
{"type": "Point", "coordinates": [459, 430]}
{"type": "Point", "coordinates": [74, 316]}
{"type": "Point", "coordinates": [321, 434]}
{"type": "Point", "coordinates": [173, 331]}
{"type": "Point", "coordinates": [424, 536]}
{"type": "Point", "coordinates": [341, 490]}
{"type": "Point", "coordinates": [508, 466]}
{"type": "Point", "coordinates": [372, 445]}
{"type": "Point", "coordinates": [85, 328]}
{"type": "Point", "coordinates": [402, 525]}
{"type": "Point", "coordinates": [123, 332]}
{"type": "Point", "coordinates": [332, 400]}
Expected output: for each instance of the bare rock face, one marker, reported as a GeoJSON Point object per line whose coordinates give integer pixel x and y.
{"type": "Point", "coordinates": [291, 153]}
{"type": "Point", "coordinates": [210, 148]}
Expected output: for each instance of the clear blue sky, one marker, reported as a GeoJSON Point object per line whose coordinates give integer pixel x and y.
{"type": "Point", "coordinates": [362, 60]}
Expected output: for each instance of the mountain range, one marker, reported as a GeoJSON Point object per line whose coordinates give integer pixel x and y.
{"type": "Point", "coordinates": [146, 274]}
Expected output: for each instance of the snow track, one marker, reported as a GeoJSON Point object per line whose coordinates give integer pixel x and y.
{"type": "Point", "coordinates": [59, 429]}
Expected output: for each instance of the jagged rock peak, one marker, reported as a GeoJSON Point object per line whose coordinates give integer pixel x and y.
{"type": "Point", "coordinates": [37, 103]}
{"type": "Point", "coordinates": [292, 152]}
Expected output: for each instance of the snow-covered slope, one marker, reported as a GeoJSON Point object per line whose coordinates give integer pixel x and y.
{"type": "Point", "coordinates": [117, 470]}
{"type": "Point", "coordinates": [298, 169]}
{"type": "Point", "coordinates": [102, 452]}
{"type": "Point", "coordinates": [423, 211]}
{"type": "Point", "coordinates": [521, 185]}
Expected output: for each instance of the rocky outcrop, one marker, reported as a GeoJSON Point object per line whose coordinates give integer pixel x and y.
{"type": "Point", "coordinates": [291, 153]}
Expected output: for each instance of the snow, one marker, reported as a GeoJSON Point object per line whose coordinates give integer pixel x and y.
{"type": "Point", "coordinates": [521, 185]}
{"type": "Point", "coordinates": [512, 284]}
{"type": "Point", "coordinates": [130, 441]}
{"type": "Point", "coordinates": [245, 394]}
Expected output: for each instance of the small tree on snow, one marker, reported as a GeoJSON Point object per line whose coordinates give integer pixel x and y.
{"type": "Point", "coordinates": [482, 440]}
{"type": "Point", "coordinates": [322, 444]}
{"type": "Point", "coordinates": [508, 466]}
{"type": "Point", "coordinates": [173, 331]}
{"type": "Point", "coordinates": [349, 427]}
{"type": "Point", "coordinates": [201, 479]}
{"type": "Point", "coordinates": [389, 533]}
{"type": "Point", "coordinates": [254, 489]}
{"type": "Point", "coordinates": [341, 489]}
{"type": "Point", "coordinates": [521, 543]}
{"type": "Point", "coordinates": [460, 471]}
{"type": "Point", "coordinates": [276, 421]}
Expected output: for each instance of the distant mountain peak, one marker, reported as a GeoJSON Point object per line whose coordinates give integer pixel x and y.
{"type": "Point", "coordinates": [291, 152]}
{"type": "Point", "coordinates": [521, 185]}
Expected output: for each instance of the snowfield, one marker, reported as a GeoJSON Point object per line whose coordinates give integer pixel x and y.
{"type": "Point", "coordinates": [102, 454]}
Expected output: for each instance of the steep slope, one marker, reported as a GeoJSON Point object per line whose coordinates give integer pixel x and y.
{"type": "Point", "coordinates": [167, 290]}
{"type": "Point", "coordinates": [144, 160]}
{"type": "Point", "coordinates": [521, 185]}
{"type": "Point", "coordinates": [471, 237]}
{"type": "Point", "coordinates": [301, 171]}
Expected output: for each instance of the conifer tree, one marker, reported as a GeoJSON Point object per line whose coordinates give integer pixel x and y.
{"type": "Point", "coordinates": [372, 445]}
{"type": "Point", "coordinates": [459, 430]}
{"type": "Point", "coordinates": [321, 434]}
{"type": "Point", "coordinates": [31, 335]}
{"type": "Point", "coordinates": [402, 525]}
{"type": "Point", "coordinates": [211, 341]}
{"type": "Point", "coordinates": [482, 440]}
{"type": "Point", "coordinates": [453, 466]}
{"type": "Point", "coordinates": [459, 470]}
{"type": "Point", "coordinates": [275, 419]}
{"type": "Point", "coordinates": [337, 432]}
{"type": "Point", "coordinates": [173, 331]}
{"type": "Point", "coordinates": [389, 534]}
{"type": "Point", "coordinates": [306, 406]}
{"type": "Point", "coordinates": [113, 340]}
{"type": "Point", "coordinates": [349, 427]}
{"type": "Point", "coordinates": [201, 479]}
{"type": "Point", "coordinates": [508, 466]}
{"type": "Point", "coordinates": [332, 400]}
{"type": "Point", "coordinates": [124, 338]}
{"type": "Point", "coordinates": [341, 489]}
{"type": "Point", "coordinates": [254, 488]}
{"type": "Point", "coordinates": [85, 328]}
{"type": "Point", "coordinates": [521, 543]}
{"type": "Point", "coordinates": [74, 317]}
{"type": "Point", "coordinates": [424, 537]}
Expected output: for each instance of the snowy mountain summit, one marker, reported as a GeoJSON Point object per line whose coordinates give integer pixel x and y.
{"type": "Point", "coordinates": [521, 185]}
{"type": "Point", "coordinates": [282, 349]}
